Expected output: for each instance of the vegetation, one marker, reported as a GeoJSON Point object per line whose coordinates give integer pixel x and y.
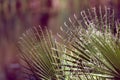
{"type": "Point", "coordinates": [90, 49]}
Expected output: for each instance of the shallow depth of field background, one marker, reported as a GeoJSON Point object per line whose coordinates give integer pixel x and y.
{"type": "Point", "coordinates": [16, 16]}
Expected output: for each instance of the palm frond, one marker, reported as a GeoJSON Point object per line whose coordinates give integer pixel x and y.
{"type": "Point", "coordinates": [35, 46]}
{"type": "Point", "coordinates": [91, 49]}
{"type": "Point", "coordinates": [92, 44]}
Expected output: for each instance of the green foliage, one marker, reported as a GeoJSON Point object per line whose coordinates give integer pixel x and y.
{"type": "Point", "coordinates": [94, 55]}
{"type": "Point", "coordinates": [90, 49]}
{"type": "Point", "coordinates": [37, 54]}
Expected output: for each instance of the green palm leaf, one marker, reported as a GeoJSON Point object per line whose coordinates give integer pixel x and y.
{"type": "Point", "coordinates": [35, 46]}
{"type": "Point", "coordinates": [90, 49]}
{"type": "Point", "coordinates": [92, 45]}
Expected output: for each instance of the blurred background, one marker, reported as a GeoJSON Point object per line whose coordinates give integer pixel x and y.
{"type": "Point", "coordinates": [16, 16]}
